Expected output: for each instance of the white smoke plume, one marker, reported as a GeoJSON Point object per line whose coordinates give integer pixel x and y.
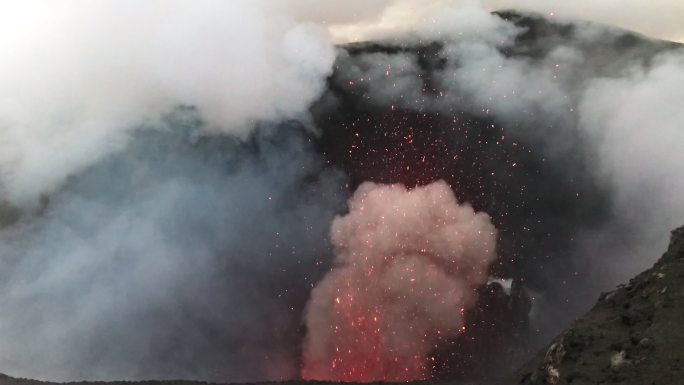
{"type": "Point", "coordinates": [175, 258]}
{"type": "Point", "coordinates": [625, 112]}
{"type": "Point", "coordinates": [133, 264]}
{"type": "Point", "coordinates": [659, 18]}
{"type": "Point", "coordinates": [637, 124]}
{"type": "Point", "coordinates": [77, 77]}
{"type": "Point", "coordinates": [407, 265]}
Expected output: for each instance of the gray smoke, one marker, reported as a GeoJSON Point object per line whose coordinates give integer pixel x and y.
{"type": "Point", "coordinates": [180, 257]}
{"type": "Point", "coordinates": [637, 125]}
{"type": "Point", "coordinates": [141, 238]}
{"type": "Point", "coordinates": [79, 76]}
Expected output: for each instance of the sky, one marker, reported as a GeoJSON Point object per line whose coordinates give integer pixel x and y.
{"type": "Point", "coordinates": [663, 19]}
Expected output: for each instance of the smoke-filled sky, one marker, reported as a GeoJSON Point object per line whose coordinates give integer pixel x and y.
{"type": "Point", "coordinates": [660, 19]}
{"type": "Point", "coordinates": [178, 179]}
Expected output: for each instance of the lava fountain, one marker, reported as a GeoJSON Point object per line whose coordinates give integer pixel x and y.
{"type": "Point", "coordinates": [406, 267]}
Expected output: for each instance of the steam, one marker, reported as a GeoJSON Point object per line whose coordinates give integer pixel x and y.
{"type": "Point", "coordinates": [78, 77]}
{"type": "Point", "coordinates": [157, 215]}
{"type": "Point", "coordinates": [407, 265]}
{"type": "Point", "coordinates": [176, 258]}
{"type": "Point", "coordinates": [637, 125]}
{"type": "Point", "coordinates": [660, 19]}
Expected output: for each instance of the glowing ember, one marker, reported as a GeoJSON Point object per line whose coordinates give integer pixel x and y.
{"type": "Point", "coordinates": [407, 264]}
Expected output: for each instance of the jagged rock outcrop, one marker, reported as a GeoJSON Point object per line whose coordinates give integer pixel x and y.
{"type": "Point", "coordinates": [634, 335]}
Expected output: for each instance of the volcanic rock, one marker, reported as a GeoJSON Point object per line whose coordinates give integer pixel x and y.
{"type": "Point", "coordinates": [633, 335]}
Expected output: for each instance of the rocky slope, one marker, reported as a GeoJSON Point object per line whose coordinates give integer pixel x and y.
{"type": "Point", "coordinates": [634, 335]}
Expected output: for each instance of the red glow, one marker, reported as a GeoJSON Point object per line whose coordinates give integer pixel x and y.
{"type": "Point", "coordinates": [407, 263]}
{"type": "Point", "coordinates": [360, 356]}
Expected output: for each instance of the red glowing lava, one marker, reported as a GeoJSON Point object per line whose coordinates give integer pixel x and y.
{"type": "Point", "coordinates": [407, 263]}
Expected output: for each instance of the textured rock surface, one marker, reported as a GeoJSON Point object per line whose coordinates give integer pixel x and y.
{"type": "Point", "coordinates": [634, 335]}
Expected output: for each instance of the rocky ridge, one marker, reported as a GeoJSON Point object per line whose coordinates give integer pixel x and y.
{"type": "Point", "coordinates": [633, 335]}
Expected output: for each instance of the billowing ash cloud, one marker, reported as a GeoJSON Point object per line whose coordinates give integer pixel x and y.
{"type": "Point", "coordinates": [77, 77]}
{"type": "Point", "coordinates": [180, 257]}
{"type": "Point", "coordinates": [407, 263]}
